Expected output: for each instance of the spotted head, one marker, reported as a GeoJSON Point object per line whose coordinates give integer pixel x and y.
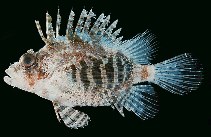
{"type": "Point", "coordinates": [27, 72]}
{"type": "Point", "coordinates": [33, 68]}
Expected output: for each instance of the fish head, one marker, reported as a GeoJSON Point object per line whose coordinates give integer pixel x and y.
{"type": "Point", "coordinates": [27, 73]}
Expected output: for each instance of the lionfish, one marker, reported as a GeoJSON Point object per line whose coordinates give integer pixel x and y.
{"type": "Point", "coordinates": [91, 66]}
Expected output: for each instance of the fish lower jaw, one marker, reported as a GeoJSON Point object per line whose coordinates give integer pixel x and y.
{"type": "Point", "coordinates": [12, 82]}
{"type": "Point", "coordinates": [7, 79]}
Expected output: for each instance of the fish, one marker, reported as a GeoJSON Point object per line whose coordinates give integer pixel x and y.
{"type": "Point", "coordinates": [91, 65]}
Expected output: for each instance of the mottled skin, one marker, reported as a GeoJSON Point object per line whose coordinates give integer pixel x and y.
{"type": "Point", "coordinates": [91, 66]}
{"type": "Point", "coordinates": [49, 72]}
{"type": "Point", "coordinates": [79, 69]}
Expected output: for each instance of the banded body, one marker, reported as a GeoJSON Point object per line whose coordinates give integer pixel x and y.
{"type": "Point", "coordinates": [85, 79]}
{"type": "Point", "coordinates": [91, 66]}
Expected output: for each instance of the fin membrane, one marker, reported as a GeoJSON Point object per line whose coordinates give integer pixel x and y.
{"type": "Point", "coordinates": [72, 118]}
{"type": "Point", "coordinates": [179, 75]}
{"type": "Point", "coordinates": [140, 48]}
{"type": "Point", "coordinates": [141, 99]}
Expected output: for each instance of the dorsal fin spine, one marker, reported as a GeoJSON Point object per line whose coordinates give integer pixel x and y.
{"type": "Point", "coordinates": [40, 31]}
{"type": "Point", "coordinates": [79, 25]}
{"type": "Point", "coordinates": [96, 25]}
{"type": "Point", "coordinates": [58, 22]}
{"type": "Point", "coordinates": [105, 22]}
{"type": "Point", "coordinates": [88, 21]}
{"type": "Point", "coordinates": [69, 30]}
{"type": "Point", "coordinates": [97, 35]}
{"type": "Point", "coordinates": [116, 33]}
{"type": "Point", "coordinates": [49, 29]}
{"type": "Point", "coordinates": [84, 34]}
{"type": "Point", "coordinates": [111, 27]}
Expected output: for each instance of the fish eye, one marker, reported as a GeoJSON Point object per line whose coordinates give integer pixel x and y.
{"type": "Point", "coordinates": [28, 59]}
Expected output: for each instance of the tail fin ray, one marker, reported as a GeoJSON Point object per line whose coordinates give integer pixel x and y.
{"type": "Point", "coordinates": [179, 75]}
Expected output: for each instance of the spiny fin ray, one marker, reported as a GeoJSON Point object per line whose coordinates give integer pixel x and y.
{"type": "Point", "coordinates": [72, 118]}
{"type": "Point", "coordinates": [179, 75]}
{"type": "Point", "coordinates": [69, 30]}
{"type": "Point", "coordinates": [49, 29]}
{"type": "Point", "coordinates": [58, 22]}
{"type": "Point", "coordinates": [96, 34]}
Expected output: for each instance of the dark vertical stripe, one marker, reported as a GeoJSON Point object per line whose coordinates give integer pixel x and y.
{"type": "Point", "coordinates": [83, 74]}
{"type": "Point", "coordinates": [127, 69]}
{"type": "Point", "coordinates": [120, 70]}
{"type": "Point", "coordinates": [110, 72]}
{"type": "Point", "coordinates": [73, 73]}
{"type": "Point", "coordinates": [96, 72]}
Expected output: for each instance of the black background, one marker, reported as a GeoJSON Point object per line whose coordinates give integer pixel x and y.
{"type": "Point", "coordinates": [179, 27]}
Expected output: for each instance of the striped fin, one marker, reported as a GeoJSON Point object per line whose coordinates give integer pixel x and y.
{"type": "Point", "coordinates": [179, 75]}
{"type": "Point", "coordinates": [72, 118]}
{"type": "Point", "coordinates": [141, 99]}
{"type": "Point", "coordinates": [49, 29]}
{"type": "Point", "coordinates": [140, 48]}
{"type": "Point", "coordinates": [111, 27]}
{"type": "Point", "coordinates": [95, 27]}
{"type": "Point", "coordinates": [97, 34]}
{"type": "Point", "coordinates": [98, 28]}
{"type": "Point", "coordinates": [69, 30]}
{"type": "Point", "coordinates": [79, 25]}
{"type": "Point", "coordinates": [105, 23]}
{"type": "Point", "coordinates": [88, 22]}
{"type": "Point", "coordinates": [115, 34]}
{"type": "Point", "coordinates": [40, 31]}
{"type": "Point", "coordinates": [107, 37]}
{"type": "Point", "coordinates": [97, 37]}
{"type": "Point", "coordinates": [118, 40]}
{"type": "Point", "coordinates": [84, 35]}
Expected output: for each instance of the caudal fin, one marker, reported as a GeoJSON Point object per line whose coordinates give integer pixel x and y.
{"type": "Point", "coordinates": [179, 75]}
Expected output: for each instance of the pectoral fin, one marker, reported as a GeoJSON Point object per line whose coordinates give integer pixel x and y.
{"type": "Point", "coordinates": [72, 118]}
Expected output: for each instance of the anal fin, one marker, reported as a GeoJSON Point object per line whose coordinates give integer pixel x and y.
{"type": "Point", "coordinates": [55, 106]}
{"type": "Point", "coordinates": [72, 118]}
{"type": "Point", "coordinates": [141, 99]}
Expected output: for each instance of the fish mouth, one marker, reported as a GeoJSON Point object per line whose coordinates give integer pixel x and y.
{"type": "Point", "coordinates": [8, 77]}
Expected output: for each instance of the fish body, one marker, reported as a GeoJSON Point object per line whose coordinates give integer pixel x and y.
{"type": "Point", "coordinates": [91, 66]}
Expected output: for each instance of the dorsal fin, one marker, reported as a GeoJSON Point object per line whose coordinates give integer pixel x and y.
{"type": "Point", "coordinates": [96, 34]}
{"type": "Point", "coordinates": [140, 48]}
